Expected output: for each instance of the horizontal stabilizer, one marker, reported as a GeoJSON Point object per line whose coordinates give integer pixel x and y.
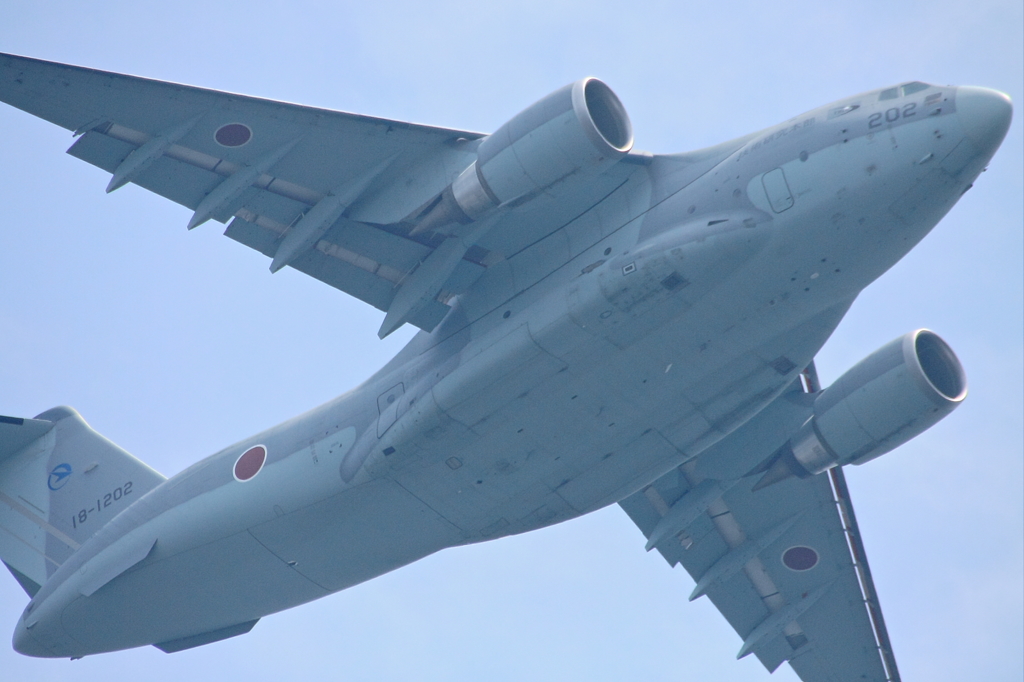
{"type": "Point", "coordinates": [16, 433]}
{"type": "Point", "coordinates": [30, 586]}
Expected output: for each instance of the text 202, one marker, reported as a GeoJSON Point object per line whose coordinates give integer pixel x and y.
{"type": "Point", "coordinates": [892, 115]}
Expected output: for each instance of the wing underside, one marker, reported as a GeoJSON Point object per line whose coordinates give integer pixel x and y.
{"type": "Point", "coordinates": [265, 166]}
{"type": "Point", "coordinates": [784, 564]}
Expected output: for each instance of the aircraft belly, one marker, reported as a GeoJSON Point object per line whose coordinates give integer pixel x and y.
{"type": "Point", "coordinates": [356, 535]}
{"type": "Point", "coordinates": [573, 421]}
{"type": "Point", "coordinates": [232, 580]}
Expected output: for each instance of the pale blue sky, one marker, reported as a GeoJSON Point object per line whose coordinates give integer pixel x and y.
{"type": "Point", "coordinates": [175, 344]}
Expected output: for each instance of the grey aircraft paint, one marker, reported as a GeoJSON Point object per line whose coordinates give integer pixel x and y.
{"type": "Point", "coordinates": [647, 317]}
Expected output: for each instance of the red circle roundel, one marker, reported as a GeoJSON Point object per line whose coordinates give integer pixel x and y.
{"type": "Point", "coordinates": [233, 135]}
{"type": "Point", "coordinates": [800, 558]}
{"type": "Point", "coordinates": [250, 462]}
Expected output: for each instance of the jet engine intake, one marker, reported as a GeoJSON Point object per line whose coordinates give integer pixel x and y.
{"type": "Point", "coordinates": [580, 128]}
{"type": "Point", "coordinates": [894, 394]}
{"type": "Point", "coordinates": [889, 397]}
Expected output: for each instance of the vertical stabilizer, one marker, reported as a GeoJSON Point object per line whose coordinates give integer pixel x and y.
{"type": "Point", "coordinates": [60, 482]}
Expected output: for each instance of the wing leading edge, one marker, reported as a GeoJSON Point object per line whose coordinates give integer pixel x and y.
{"type": "Point", "coordinates": [784, 564]}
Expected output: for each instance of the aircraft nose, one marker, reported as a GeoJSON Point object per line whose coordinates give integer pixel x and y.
{"type": "Point", "coordinates": [985, 116]}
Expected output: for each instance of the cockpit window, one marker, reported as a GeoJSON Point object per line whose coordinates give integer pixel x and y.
{"type": "Point", "coordinates": [916, 86]}
{"type": "Point", "coordinates": [891, 93]}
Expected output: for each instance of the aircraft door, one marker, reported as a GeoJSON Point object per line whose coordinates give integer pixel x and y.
{"type": "Point", "coordinates": [777, 189]}
{"type": "Point", "coordinates": [387, 407]}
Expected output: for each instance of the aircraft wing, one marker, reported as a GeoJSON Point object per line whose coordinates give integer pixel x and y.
{"type": "Point", "coordinates": [269, 167]}
{"type": "Point", "coordinates": [784, 565]}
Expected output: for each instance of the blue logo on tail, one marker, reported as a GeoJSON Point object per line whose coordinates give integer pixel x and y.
{"type": "Point", "coordinates": [59, 476]}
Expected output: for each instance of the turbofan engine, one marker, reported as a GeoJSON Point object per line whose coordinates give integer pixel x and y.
{"type": "Point", "coordinates": [580, 128]}
{"type": "Point", "coordinates": [894, 394]}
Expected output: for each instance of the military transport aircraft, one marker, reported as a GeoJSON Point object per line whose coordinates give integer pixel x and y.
{"type": "Point", "coordinates": [598, 325]}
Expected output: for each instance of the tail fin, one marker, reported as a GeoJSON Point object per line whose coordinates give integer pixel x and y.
{"type": "Point", "coordinates": [60, 482]}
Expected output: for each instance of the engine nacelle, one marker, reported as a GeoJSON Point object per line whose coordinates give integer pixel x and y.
{"type": "Point", "coordinates": [894, 394]}
{"type": "Point", "coordinates": [581, 128]}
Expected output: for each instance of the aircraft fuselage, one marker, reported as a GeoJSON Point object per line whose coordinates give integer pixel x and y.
{"type": "Point", "coordinates": [687, 300]}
